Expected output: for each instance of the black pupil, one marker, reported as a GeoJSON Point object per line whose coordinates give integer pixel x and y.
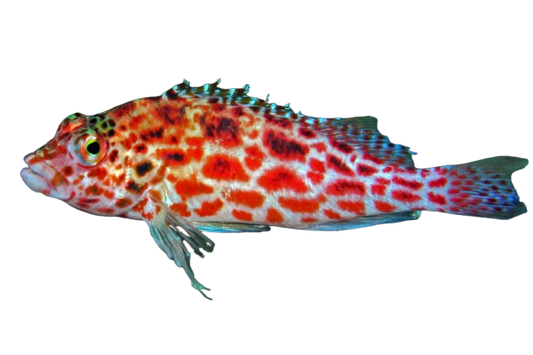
{"type": "Point", "coordinates": [93, 148]}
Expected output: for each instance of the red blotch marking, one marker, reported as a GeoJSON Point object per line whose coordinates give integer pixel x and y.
{"type": "Point", "coordinates": [254, 157]}
{"type": "Point", "coordinates": [357, 207]}
{"type": "Point", "coordinates": [139, 148]}
{"type": "Point", "coordinates": [209, 208]}
{"type": "Point", "coordinates": [123, 202]}
{"type": "Point", "coordinates": [308, 220]}
{"type": "Point", "coordinates": [387, 169]}
{"type": "Point", "coordinates": [366, 170]}
{"type": "Point", "coordinates": [124, 109]}
{"type": "Point", "coordinates": [237, 111]}
{"type": "Point", "coordinates": [93, 190]}
{"type": "Point", "coordinates": [140, 208]}
{"type": "Point", "coordinates": [191, 187]}
{"type": "Point", "coordinates": [219, 107]}
{"type": "Point", "coordinates": [97, 172]}
{"type": "Point", "coordinates": [252, 199]}
{"type": "Point", "coordinates": [284, 148]}
{"type": "Point", "coordinates": [332, 214]}
{"type": "Point", "coordinates": [254, 134]}
{"type": "Point", "coordinates": [280, 122]}
{"type": "Point", "coordinates": [435, 198]}
{"type": "Point", "coordinates": [171, 115]}
{"type": "Point", "coordinates": [181, 208]}
{"type": "Point", "coordinates": [281, 178]}
{"type": "Point", "coordinates": [306, 133]}
{"type": "Point", "coordinates": [173, 157]}
{"type": "Point", "coordinates": [378, 189]}
{"type": "Point", "coordinates": [299, 205]}
{"type": "Point", "coordinates": [172, 140]}
{"type": "Point", "coordinates": [196, 150]}
{"type": "Point", "coordinates": [224, 130]}
{"type": "Point", "coordinates": [382, 181]}
{"type": "Point", "coordinates": [113, 155]}
{"type": "Point", "coordinates": [316, 178]}
{"type": "Point", "coordinates": [412, 184]}
{"type": "Point", "coordinates": [195, 141]}
{"type": "Point", "coordinates": [109, 194]}
{"type": "Point", "coordinates": [222, 167]}
{"type": "Point", "coordinates": [438, 182]}
{"type": "Point", "coordinates": [384, 206]}
{"type": "Point", "coordinates": [171, 178]}
{"type": "Point", "coordinates": [346, 187]}
{"type": "Point", "coordinates": [242, 215]}
{"type": "Point", "coordinates": [341, 146]}
{"type": "Point", "coordinates": [424, 172]}
{"type": "Point", "coordinates": [457, 199]}
{"type": "Point", "coordinates": [67, 171]}
{"type": "Point", "coordinates": [320, 147]}
{"type": "Point", "coordinates": [135, 188]}
{"type": "Point", "coordinates": [475, 201]}
{"type": "Point", "coordinates": [372, 158]}
{"type": "Point", "coordinates": [273, 216]}
{"type": "Point", "coordinates": [88, 201]}
{"type": "Point", "coordinates": [106, 210]}
{"type": "Point", "coordinates": [317, 165]}
{"type": "Point", "coordinates": [441, 171]}
{"type": "Point", "coordinates": [151, 135]}
{"type": "Point", "coordinates": [337, 165]}
{"type": "Point", "coordinates": [404, 196]}
{"type": "Point", "coordinates": [58, 180]}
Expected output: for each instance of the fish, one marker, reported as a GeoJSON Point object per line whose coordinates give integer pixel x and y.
{"type": "Point", "coordinates": [207, 159]}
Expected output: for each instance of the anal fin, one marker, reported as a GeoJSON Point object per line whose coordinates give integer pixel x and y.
{"type": "Point", "coordinates": [366, 221]}
{"type": "Point", "coordinates": [221, 227]}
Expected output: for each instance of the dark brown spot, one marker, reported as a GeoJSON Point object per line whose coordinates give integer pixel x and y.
{"type": "Point", "coordinates": [144, 168]}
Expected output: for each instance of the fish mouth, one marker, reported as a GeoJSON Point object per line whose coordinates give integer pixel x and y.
{"type": "Point", "coordinates": [41, 177]}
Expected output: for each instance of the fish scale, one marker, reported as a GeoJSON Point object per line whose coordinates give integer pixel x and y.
{"type": "Point", "coordinates": [218, 160]}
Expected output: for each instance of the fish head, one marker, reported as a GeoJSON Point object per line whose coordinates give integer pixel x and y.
{"type": "Point", "coordinates": [79, 167]}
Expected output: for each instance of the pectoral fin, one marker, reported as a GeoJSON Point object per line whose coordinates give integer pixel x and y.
{"type": "Point", "coordinates": [170, 232]}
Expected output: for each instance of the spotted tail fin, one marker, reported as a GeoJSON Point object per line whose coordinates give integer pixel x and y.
{"type": "Point", "coordinates": [483, 188]}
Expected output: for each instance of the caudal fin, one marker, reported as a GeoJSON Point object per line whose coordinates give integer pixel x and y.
{"type": "Point", "coordinates": [483, 188]}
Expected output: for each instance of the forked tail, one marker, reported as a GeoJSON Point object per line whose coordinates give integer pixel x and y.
{"type": "Point", "coordinates": [482, 188]}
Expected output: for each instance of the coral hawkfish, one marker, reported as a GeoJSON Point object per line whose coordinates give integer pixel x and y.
{"type": "Point", "coordinates": [209, 159]}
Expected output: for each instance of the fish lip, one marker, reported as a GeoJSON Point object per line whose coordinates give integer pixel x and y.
{"type": "Point", "coordinates": [38, 176]}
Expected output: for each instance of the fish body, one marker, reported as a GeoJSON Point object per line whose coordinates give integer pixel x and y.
{"type": "Point", "coordinates": [211, 159]}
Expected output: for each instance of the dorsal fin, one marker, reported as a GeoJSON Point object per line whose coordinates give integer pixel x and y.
{"type": "Point", "coordinates": [360, 130]}
{"type": "Point", "coordinates": [362, 133]}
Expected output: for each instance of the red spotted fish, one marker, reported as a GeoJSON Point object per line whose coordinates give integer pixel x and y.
{"type": "Point", "coordinates": [209, 159]}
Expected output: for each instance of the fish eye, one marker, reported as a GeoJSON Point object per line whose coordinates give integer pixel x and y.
{"type": "Point", "coordinates": [89, 149]}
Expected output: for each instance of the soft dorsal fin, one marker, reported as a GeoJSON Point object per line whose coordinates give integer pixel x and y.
{"type": "Point", "coordinates": [362, 133]}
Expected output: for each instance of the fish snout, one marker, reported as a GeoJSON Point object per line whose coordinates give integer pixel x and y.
{"type": "Point", "coordinates": [42, 178]}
